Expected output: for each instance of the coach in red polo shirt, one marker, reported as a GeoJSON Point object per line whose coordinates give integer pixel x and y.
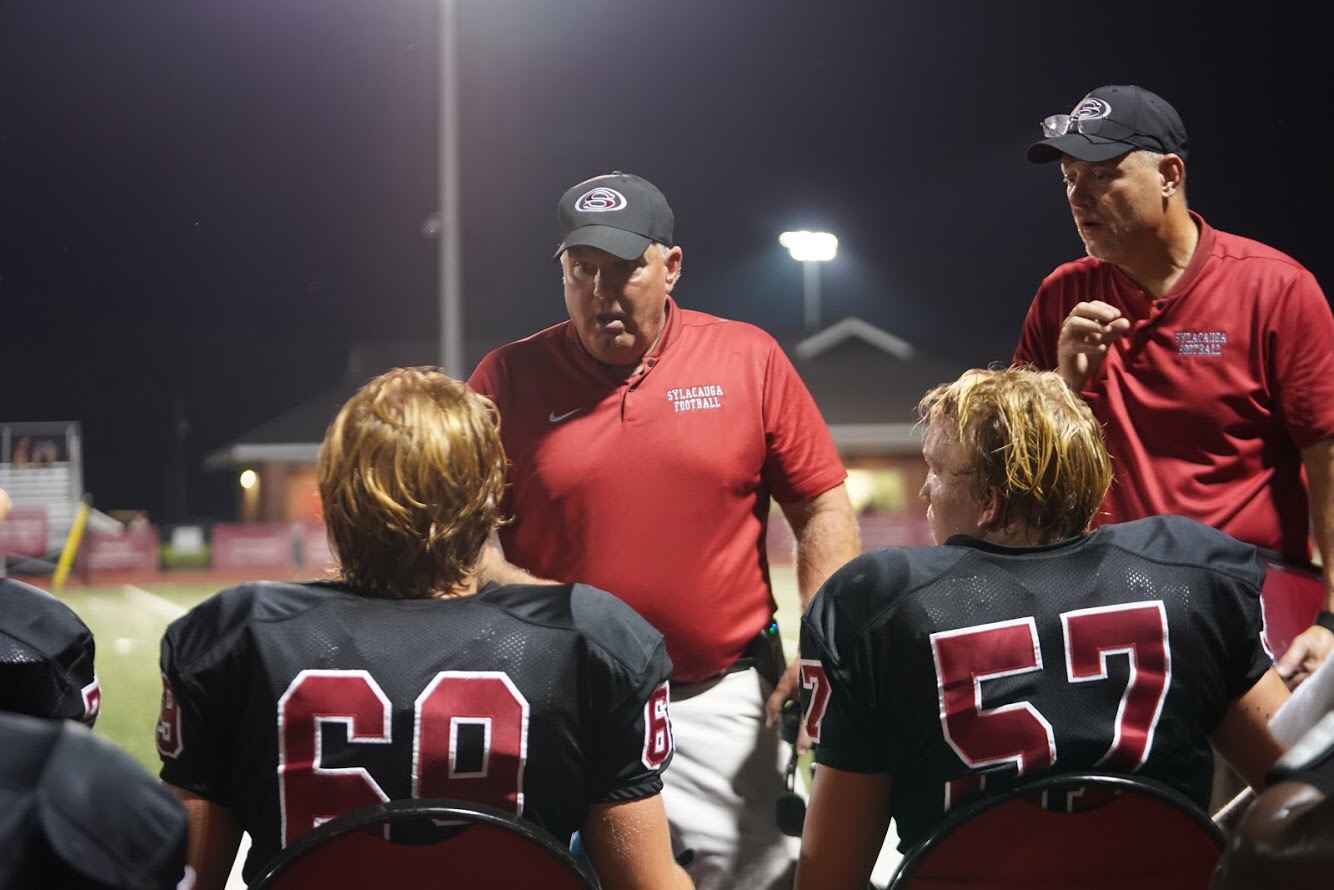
{"type": "Point", "coordinates": [1209, 358]}
{"type": "Point", "coordinates": [645, 442]}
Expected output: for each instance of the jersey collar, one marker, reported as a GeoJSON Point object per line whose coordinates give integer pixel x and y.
{"type": "Point", "coordinates": [1010, 550]}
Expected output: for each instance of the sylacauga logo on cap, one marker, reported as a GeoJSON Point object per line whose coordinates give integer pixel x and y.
{"type": "Point", "coordinates": [600, 199]}
{"type": "Point", "coordinates": [1091, 109]}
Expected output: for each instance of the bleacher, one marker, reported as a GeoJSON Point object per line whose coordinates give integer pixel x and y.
{"type": "Point", "coordinates": [41, 468]}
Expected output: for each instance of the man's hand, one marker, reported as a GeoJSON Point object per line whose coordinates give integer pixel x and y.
{"type": "Point", "coordinates": [773, 708]}
{"type": "Point", "coordinates": [1086, 334]}
{"type": "Point", "coordinates": [1306, 653]}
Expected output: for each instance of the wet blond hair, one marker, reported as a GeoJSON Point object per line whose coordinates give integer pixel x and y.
{"type": "Point", "coordinates": [411, 474]}
{"type": "Point", "coordinates": [1030, 439]}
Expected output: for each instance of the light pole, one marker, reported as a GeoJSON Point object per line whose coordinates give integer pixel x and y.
{"type": "Point", "coordinates": [451, 263]}
{"type": "Point", "coordinates": [810, 249]}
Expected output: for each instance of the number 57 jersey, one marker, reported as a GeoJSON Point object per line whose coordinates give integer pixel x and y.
{"type": "Point", "coordinates": [958, 669]}
{"type": "Point", "coordinates": [295, 703]}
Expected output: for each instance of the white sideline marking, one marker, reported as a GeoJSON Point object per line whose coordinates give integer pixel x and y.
{"type": "Point", "coordinates": [154, 603]}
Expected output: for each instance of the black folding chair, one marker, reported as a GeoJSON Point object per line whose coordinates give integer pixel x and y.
{"type": "Point", "coordinates": [1119, 833]}
{"type": "Point", "coordinates": [433, 843]}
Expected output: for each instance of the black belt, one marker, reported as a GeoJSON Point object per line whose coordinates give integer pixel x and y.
{"type": "Point", "coordinates": [764, 653]}
{"type": "Point", "coordinates": [744, 663]}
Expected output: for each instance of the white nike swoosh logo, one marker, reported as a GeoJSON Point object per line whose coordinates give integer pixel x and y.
{"type": "Point", "coordinates": [557, 418]}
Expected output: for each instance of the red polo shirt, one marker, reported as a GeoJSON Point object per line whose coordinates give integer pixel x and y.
{"type": "Point", "coordinates": [1208, 399]}
{"type": "Point", "coordinates": [657, 488]}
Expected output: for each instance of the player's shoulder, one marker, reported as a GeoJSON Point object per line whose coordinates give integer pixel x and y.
{"type": "Point", "coordinates": [1176, 540]}
{"type": "Point", "coordinates": [46, 656]}
{"type": "Point", "coordinates": [606, 622]}
{"type": "Point", "coordinates": [38, 619]}
{"type": "Point", "coordinates": [225, 615]}
{"type": "Point", "coordinates": [868, 589]}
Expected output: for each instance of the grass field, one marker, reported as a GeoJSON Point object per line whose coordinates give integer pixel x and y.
{"type": "Point", "coordinates": [128, 622]}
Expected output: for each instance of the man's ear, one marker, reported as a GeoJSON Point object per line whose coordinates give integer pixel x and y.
{"type": "Point", "coordinates": [673, 263]}
{"type": "Point", "coordinates": [1172, 169]}
{"type": "Point", "coordinates": [991, 517]}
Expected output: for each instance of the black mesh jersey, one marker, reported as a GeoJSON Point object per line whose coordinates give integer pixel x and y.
{"type": "Point", "coordinates": [46, 656]}
{"type": "Point", "coordinates": [956, 668]}
{"type": "Point", "coordinates": [294, 703]}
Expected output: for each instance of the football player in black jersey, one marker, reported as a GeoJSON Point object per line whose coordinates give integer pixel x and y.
{"type": "Point", "coordinates": [1024, 644]}
{"type": "Point", "coordinates": [75, 812]}
{"type": "Point", "coordinates": [285, 705]}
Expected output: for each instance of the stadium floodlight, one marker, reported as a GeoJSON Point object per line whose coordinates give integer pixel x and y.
{"type": "Point", "coordinates": [248, 479]}
{"type": "Point", "coordinates": [810, 249]}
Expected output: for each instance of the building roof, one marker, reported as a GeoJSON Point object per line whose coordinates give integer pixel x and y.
{"type": "Point", "coordinates": [867, 383]}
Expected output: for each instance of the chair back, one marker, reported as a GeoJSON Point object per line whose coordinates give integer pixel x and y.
{"type": "Point", "coordinates": [1292, 596]}
{"type": "Point", "coordinates": [1118, 832]}
{"type": "Point", "coordinates": [429, 843]}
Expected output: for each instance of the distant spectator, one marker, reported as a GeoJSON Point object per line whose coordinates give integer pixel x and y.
{"type": "Point", "coordinates": [22, 454]}
{"type": "Point", "coordinates": [44, 453]}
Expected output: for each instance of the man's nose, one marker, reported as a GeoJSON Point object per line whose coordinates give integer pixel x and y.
{"type": "Point", "coordinates": [604, 287]}
{"type": "Point", "coordinates": [1078, 195]}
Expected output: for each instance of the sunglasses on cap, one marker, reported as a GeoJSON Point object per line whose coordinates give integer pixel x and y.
{"type": "Point", "coordinates": [1064, 124]}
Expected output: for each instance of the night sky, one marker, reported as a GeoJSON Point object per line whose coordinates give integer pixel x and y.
{"type": "Point", "coordinates": [203, 205]}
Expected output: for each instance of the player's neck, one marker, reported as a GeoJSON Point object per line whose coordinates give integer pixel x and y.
{"type": "Point", "coordinates": [467, 587]}
{"type": "Point", "coordinates": [1017, 535]}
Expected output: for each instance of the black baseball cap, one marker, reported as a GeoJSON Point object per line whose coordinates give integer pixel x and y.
{"type": "Point", "coordinates": [1111, 121]}
{"type": "Point", "coordinates": [619, 213]}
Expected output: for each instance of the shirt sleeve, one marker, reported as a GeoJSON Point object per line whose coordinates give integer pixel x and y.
{"type": "Point", "coordinates": [1301, 356]}
{"type": "Point", "coordinates": [801, 462]}
{"type": "Point", "coordinates": [1248, 659]}
{"type": "Point", "coordinates": [192, 750]}
{"type": "Point", "coordinates": [485, 379]}
{"type": "Point", "coordinates": [1037, 338]}
{"type": "Point", "coordinates": [837, 704]}
{"type": "Point", "coordinates": [631, 743]}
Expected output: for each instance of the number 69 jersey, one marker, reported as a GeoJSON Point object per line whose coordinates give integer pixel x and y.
{"type": "Point", "coordinates": [294, 703]}
{"type": "Point", "coordinates": [957, 669]}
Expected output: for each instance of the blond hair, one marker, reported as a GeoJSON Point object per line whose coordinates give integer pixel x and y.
{"type": "Point", "coordinates": [1030, 439]}
{"type": "Point", "coordinates": [411, 474]}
